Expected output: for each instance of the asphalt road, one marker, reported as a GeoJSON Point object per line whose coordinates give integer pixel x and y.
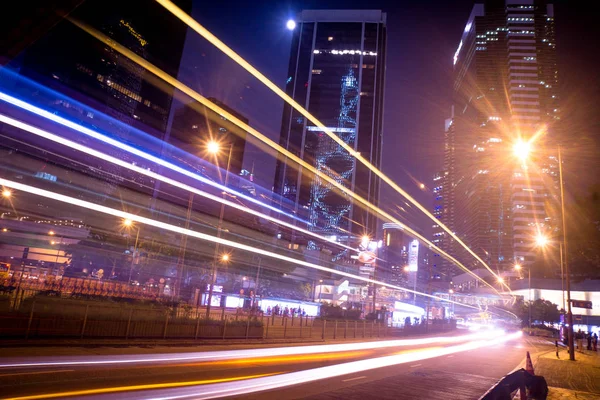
{"type": "Point", "coordinates": [458, 368]}
{"type": "Point", "coordinates": [460, 376]}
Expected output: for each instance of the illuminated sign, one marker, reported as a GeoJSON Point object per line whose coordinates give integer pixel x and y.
{"type": "Point", "coordinates": [413, 256]}
{"type": "Point", "coordinates": [216, 288]}
{"type": "Point", "coordinates": [581, 304]}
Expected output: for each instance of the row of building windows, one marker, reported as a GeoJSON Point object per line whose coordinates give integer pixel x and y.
{"type": "Point", "coordinates": [522, 32]}
{"type": "Point", "coordinates": [120, 88]}
{"type": "Point", "coordinates": [345, 52]}
{"type": "Point", "coordinates": [127, 92]}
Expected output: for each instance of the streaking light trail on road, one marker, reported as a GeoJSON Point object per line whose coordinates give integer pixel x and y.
{"type": "Point", "coordinates": [205, 33]}
{"type": "Point", "coordinates": [202, 236]}
{"type": "Point", "coordinates": [246, 353]}
{"type": "Point", "coordinates": [103, 156]}
{"type": "Point", "coordinates": [238, 388]}
{"type": "Point", "coordinates": [122, 146]}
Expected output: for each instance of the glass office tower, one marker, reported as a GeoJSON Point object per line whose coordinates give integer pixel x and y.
{"type": "Point", "coordinates": [337, 72]}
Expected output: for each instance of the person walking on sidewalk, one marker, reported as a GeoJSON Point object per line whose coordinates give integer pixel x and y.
{"type": "Point", "coordinates": [589, 340]}
{"type": "Point", "coordinates": [595, 342]}
{"type": "Point", "coordinates": [579, 337]}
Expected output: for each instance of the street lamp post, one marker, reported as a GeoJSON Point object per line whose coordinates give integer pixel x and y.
{"type": "Point", "coordinates": [256, 280]}
{"type": "Point", "coordinates": [214, 148]}
{"type": "Point", "coordinates": [562, 277]}
{"type": "Point", "coordinates": [183, 247]}
{"type": "Point", "coordinates": [320, 288]}
{"type": "Point", "coordinates": [519, 267]}
{"type": "Point", "coordinates": [129, 223]}
{"type": "Point", "coordinates": [60, 241]}
{"type": "Point", "coordinates": [529, 292]}
{"type": "Point", "coordinates": [563, 259]}
{"type": "Point", "coordinates": [522, 150]}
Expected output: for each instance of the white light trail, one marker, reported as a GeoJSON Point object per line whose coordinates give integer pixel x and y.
{"type": "Point", "coordinates": [238, 388]}
{"type": "Point", "coordinates": [241, 354]}
{"type": "Point", "coordinates": [38, 111]}
{"type": "Point", "coordinates": [205, 33]}
{"type": "Point", "coordinates": [122, 146]}
{"type": "Point", "coordinates": [105, 157]}
{"type": "Point", "coordinates": [202, 236]}
{"type": "Point", "coordinates": [247, 128]}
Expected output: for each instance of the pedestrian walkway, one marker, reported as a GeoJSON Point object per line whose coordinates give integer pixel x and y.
{"type": "Point", "coordinates": [568, 379]}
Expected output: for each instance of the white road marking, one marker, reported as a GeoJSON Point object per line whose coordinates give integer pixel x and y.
{"type": "Point", "coordinates": [416, 365]}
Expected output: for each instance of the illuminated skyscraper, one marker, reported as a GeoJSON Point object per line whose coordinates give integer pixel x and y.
{"type": "Point", "coordinates": [505, 86]}
{"type": "Point", "coordinates": [337, 72]}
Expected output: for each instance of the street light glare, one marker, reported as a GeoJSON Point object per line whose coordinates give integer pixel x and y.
{"type": "Point", "coordinates": [522, 149]}
{"type": "Point", "coordinates": [541, 240]}
{"type": "Point", "coordinates": [291, 24]}
{"type": "Point", "coordinates": [127, 222]}
{"type": "Point", "coordinates": [225, 257]}
{"type": "Point", "coordinates": [6, 193]}
{"type": "Point", "coordinates": [213, 147]}
{"type": "Point", "coordinates": [51, 233]}
{"type": "Point", "coordinates": [500, 279]}
{"type": "Point", "coordinates": [518, 267]}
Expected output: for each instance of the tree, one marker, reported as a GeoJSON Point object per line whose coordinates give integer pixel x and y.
{"type": "Point", "coordinates": [98, 251]}
{"type": "Point", "coordinates": [543, 311]}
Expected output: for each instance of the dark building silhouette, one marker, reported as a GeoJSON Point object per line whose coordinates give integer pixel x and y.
{"type": "Point", "coordinates": [73, 62]}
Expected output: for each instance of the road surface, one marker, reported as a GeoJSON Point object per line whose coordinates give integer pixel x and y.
{"type": "Point", "coordinates": [461, 366]}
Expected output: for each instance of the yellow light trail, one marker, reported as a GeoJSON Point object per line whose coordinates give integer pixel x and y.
{"type": "Point", "coordinates": [118, 389]}
{"type": "Point", "coordinates": [274, 360]}
{"type": "Point", "coordinates": [205, 33]}
{"type": "Point", "coordinates": [202, 236]}
{"type": "Point", "coordinates": [201, 99]}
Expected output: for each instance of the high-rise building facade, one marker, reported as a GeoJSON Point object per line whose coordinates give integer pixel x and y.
{"type": "Point", "coordinates": [336, 72]}
{"type": "Point", "coordinates": [505, 90]}
{"type": "Point", "coordinates": [444, 207]}
{"type": "Point", "coordinates": [72, 61]}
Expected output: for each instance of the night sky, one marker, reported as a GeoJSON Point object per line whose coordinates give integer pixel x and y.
{"type": "Point", "coordinates": [422, 37]}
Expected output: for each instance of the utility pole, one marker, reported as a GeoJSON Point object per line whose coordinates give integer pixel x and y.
{"type": "Point", "coordinates": [184, 239]}
{"type": "Point", "coordinates": [213, 279]}
{"type": "Point", "coordinates": [564, 258]}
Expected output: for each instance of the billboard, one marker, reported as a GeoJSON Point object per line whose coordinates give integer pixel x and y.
{"type": "Point", "coordinates": [413, 256]}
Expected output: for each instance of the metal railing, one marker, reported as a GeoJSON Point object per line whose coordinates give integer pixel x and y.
{"type": "Point", "coordinates": [27, 314]}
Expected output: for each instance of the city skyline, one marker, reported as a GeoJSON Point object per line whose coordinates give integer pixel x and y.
{"type": "Point", "coordinates": [308, 199]}
{"type": "Point", "coordinates": [419, 86]}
